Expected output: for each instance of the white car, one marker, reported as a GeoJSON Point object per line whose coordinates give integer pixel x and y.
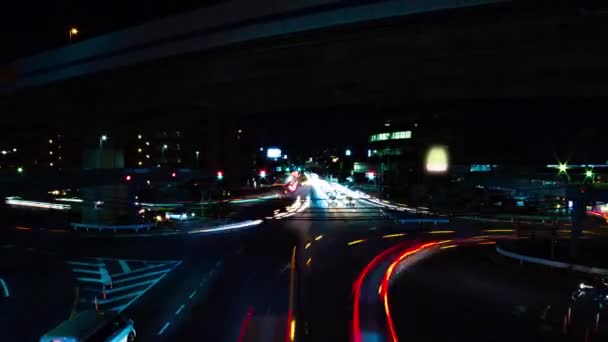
{"type": "Point", "coordinates": [90, 325]}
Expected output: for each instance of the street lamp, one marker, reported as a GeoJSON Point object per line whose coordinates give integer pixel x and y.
{"type": "Point", "coordinates": [589, 174]}
{"type": "Point", "coordinates": [162, 150]}
{"type": "Point", "coordinates": [347, 153]}
{"type": "Point", "coordinates": [102, 139]}
{"type": "Point", "coordinates": [73, 32]}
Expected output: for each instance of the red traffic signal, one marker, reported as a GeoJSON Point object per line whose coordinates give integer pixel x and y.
{"type": "Point", "coordinates": [128, 178]}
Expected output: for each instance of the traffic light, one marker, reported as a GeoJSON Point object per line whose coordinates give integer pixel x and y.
{"type": "Point", "coordinates": [173, 174]}
{"type": "Point", "coordinates": [128, 178]}
{"type": "Point", "coordinates": [370, 175]}
{"type": "Point", "coordinates": [220, 175]}
{"type": "Point", "coordinates": [262, 173]}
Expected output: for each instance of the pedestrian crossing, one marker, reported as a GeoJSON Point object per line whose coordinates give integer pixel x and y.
{"type": "Point", "coordinates": [115, 284]}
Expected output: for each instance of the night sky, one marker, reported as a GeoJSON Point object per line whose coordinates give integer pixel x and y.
{"type": "Point", "coordinates": [28, 27]}
{"type": "Point", "coordinates": [518, 130]}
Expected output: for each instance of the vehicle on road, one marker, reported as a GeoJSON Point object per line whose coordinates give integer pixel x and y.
{"type": "Point", "coordinates": [180, 215]}
{"type": "Point", "coordinates": [349, 202]}
{"type": "Point", "coordinates": [93, 326]}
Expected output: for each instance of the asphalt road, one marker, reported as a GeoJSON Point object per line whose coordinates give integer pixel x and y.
{"type": "Point", "coordinates": [243, 286]}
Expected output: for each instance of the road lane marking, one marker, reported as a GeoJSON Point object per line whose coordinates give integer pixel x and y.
{"type": "Point", "coordinates": [119, 298]}
{"type": "Point", "coordinates": [80, 263]}
{"type": "Point", "coordinates": [388, 236]}
{"type": "Point", "coordinates": [116, 275]}
{"type": "Point", "coordinates": [140, 276]}
{"type": "Point", "coordinates": [164, 328]}
{"type": "Point", "coordinates": [179, 310]}
{"type": "Point", "coordinates": [142, 283]}
{"type": "Point", "coordinates": [125, 267]}
{"type": "Point", "coordinates": [291, 290]}
{"type": "Point", "coordinates": [192, 294]}
{"type": "Point", "coordinates": [5, 288]}
{"type": "Point", "coordinates": [90, 280]}
{"type": "Point", "coordinates": [82, 270]}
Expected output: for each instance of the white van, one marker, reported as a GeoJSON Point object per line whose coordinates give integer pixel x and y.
{"type": "Point", "coordinates": [93, 326]}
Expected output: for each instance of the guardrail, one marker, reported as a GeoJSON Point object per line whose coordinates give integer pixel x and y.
{"type": "Point", "coordinates": [115, 228]}
{"type": "Point", "coordinates": [551, 263]}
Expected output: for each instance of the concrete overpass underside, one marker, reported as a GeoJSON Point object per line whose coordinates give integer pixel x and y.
{"type": "Point", "coordinates": [490, 52]}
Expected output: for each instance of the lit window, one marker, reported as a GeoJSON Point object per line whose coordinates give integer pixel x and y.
{"type": "Point", "coordinates": [401, 135]}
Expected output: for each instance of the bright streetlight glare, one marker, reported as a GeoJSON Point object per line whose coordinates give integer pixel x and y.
{"type": "Point", "coordinates": [589, 173]}
{"type": "Point", "coordinates": [563, 168]}
{"type": "Point", "coordinates": [74, 31]}
{"type": "Point", "coordinates": [104, 137]}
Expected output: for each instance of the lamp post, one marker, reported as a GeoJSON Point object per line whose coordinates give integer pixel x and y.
{"type": "Point", "coordinates": [162, 151]}
{"type": "Point", "coordinates": [73, 31]}
{"type": "Point", "coordinates": [197, 153]}
{"type": "Point", "coordinates": [102, 138]}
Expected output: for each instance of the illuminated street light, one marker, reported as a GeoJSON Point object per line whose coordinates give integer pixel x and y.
{"type": "Point", "coordinates": [162, 150]}
{"type": "Point", "coordinates": [104, 137]}
{"type": "Point", "coordinates": [73, 32]}
{"type": "Point", "coordinates": [139, 136]}
{"type": "Point", "coordinates": [347, 153]}
{"type": "Point", "coordinates": [589, 173]}
{"type": "Point", "coordinates": [563, 168]}
{"type": "Point", "coordinates": [19, 169]}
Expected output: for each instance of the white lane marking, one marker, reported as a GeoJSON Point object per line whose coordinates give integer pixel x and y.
{"type": "Point", "coordinates": [90, 280]}
{"type": "Point", "coordinates": [164, 328]}
{"type": "Point", "coordinates": [116, 299]}
{"type": "Point", "coordinates": [140, 276]}
{"type": "Point", "coordinates": [79, 263]}
{"type": "Point", "coordinates": [116, 275]}
{"type": "Point", "coordinates": [125, 267]}
{"type": "Point", "coordinates": [116, 289]}
{"type": "Point", "coordinates": [82, 270]}
{"type": "Point", "coordinates": [5, 288]}
{"type": "Point", "coordinates": [192, 294]}
{"type": "Point", "coordinates": [122, 307]}
{"type": "Point", "coordinates": [179, 310]}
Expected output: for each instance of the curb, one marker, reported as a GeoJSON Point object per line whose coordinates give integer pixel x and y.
{"type": "Point", "coordinates": [551, 263]}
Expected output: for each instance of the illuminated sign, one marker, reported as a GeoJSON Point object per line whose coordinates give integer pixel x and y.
{"type": "Point", "coordinates": [437, 159]}
{"type": "Point", "coordinates": [273, 153]}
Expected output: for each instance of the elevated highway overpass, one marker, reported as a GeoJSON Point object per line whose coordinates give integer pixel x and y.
{"type": "Point", "coordinates": [275, 56]}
